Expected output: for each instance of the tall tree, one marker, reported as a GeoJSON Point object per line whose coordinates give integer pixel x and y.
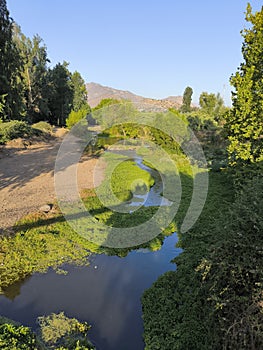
{"type": "Point", "coordinates": [10, 68]}
{"type": "Point", "coordinates": [213, 106]}
{"type": "Point", "coordinates": [80, 92]}
{"type": "Point", "coordinates": [34, 55]}
{"type": "Point", "coordinates": [60, 93]}
{"type": "Point", "coordinates": [187, 99]}
{"type": "Point", "coordinates": [245, 122]}
{"type": "Point", "coordinates": [207, 102]}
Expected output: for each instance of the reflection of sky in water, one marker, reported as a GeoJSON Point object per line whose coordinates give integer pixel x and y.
{"type": "Point", "coordinates": [106, 294]}
{"type": "Point", "coordinates": [153, 197]}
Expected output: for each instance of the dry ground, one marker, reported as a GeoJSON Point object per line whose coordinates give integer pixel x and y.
{"type": "Point", "coordinates": [27, 178]}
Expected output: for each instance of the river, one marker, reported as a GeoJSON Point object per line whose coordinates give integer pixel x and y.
{"type": "Point", "coordinates": [106, 293]}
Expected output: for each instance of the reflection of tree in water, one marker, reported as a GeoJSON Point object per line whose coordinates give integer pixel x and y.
{"type": "Point", "coordinates": [13, 290]}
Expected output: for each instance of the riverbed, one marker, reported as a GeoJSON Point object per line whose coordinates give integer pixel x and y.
{"type": "Point", "coordinates": [106, 293]}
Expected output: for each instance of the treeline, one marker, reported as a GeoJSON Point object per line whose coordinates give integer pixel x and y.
{"type": "Point", "coordinates": [214, 299]}
{"type": "Point", "coordinates": [30, 90]}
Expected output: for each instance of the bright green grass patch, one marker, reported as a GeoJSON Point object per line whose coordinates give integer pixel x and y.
{"type": "Point", "coordinates": [40, 242]}
{"type": "Point", "coordinates": [128, 178]}
{"type": "Point", "coordinates": [122, 178]}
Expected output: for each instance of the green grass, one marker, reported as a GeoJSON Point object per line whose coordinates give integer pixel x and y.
{"type": "Point", "coordinates": [39, 243]}
{"type": "Point", "coordinates": [46, 240]}
{"type": "Point", "coordinates": [122, 178]}
{"type": "Point", "coordinates": [176, 315]}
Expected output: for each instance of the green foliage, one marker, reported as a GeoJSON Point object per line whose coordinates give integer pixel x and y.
{"type": "Point", "coordinates": [233, 275]}
{"type": "Point", "coordinates": [245, 121]}
{"type": "Point", "coordinates": [75, 116]}
{"type": "Point", "coordinates": [125, 178]}
{"type": "Point", "coordinates": [43, 126]}
{"type": "Point", "coordinates": [80, 93]}
{"type": "Point", "coordinates": [61, 93]}
{"type": "Point", "coordinates": [16, 337]}
{"type": "Point", "coordinates": [34, 74]}
{"type": "Point", "coordinates": [40, 243]}
{"type": "Point", "coordinates": [10, 69]}
{"type": "Point", "coordinates": [29, 90]}
{"type": "Point", "coordinates": [212, 107]}
{"type": "Point", "coordinates": [207, 102]}
{"type": "Point", "coordinates": [176, 312]}
{"type": "Point", "coordinates": [167, 130]}
{"type": "Point", "coordinates": [111, 111]}
{"type": "Point", "coordinates": [56, 332]}
{"type": "Point", "coordinates": [187, 99]}
{"type": "Point", "coordinates": [14, 129]}
{"type": "Point", "coordinates": [105, 103]}
{"type": "Point", "coordinates": [61, 332]}
{"type": "Point", "coordinates": [214, 299]}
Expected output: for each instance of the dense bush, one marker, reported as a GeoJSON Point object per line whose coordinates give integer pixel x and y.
{"type": "Point", "coordinates": [43, 126]}
{"type": "Point", "coordinates": [57, 332]}
{"type": "Point", "coordinates": [74, 117]}
{"type": "Point", "coordinates": [234, 273]}
{"type": "Point", "coordinates": [214, 299]}
{"type": "Point", "coordinates": [16, 337]}
{"type": "Point", "coordinates": [14, 129]}
{"type": "Point", "coordinates": [61, 332]}
{"type": "Point", "coordinates": [176, 313]}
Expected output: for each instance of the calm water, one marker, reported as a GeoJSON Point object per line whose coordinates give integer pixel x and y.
{"type": "Point", "coordinates": [106, 294]}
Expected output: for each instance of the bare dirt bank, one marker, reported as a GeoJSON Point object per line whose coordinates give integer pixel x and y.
{"type": "Point", "coordinates": [27, 179]}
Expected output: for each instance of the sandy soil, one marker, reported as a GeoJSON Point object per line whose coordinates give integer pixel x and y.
{"type": "Point", "coordinates": [27, 178]}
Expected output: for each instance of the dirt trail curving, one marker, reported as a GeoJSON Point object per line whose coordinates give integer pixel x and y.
{"type": "Point", "coordinates": [27, 179]}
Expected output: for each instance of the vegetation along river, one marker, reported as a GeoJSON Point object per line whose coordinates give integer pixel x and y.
{"type": "Point", "coordinates": [106, 293]}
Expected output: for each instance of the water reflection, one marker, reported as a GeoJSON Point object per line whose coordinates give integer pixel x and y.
{"type": "Point", "coordinates": [106, 294]}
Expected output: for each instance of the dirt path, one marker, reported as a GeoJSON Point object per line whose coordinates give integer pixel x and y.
{"type": "Point", "coordinates": [27, 179]}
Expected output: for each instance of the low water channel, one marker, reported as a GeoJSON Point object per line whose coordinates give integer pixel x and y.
{"type": "Point", "coordinates": [106, 293]}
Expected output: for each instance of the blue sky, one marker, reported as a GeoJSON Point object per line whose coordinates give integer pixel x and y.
{"type": "Point", "coordinates": [152, 48]}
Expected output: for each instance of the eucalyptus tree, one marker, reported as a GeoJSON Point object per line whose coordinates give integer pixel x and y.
{"type": "Point", "coordinates": [34, 76]}
{"type": "Point", "coordinates": [11, 105]}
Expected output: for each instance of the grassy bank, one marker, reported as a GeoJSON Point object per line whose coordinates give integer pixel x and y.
{"type": "Point", "coordinates": [174, 310]}
{"type": "Point", "coordinates": [46, 240]}
{"type": "Point", "coordinates": [214, 299]}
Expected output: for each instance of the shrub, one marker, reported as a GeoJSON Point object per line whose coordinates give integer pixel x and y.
{"type": "Point", "coordinates": [68, 333]}
{"type": "Point", "coordinates": [74, 117]}
{"type": "Point", "coordinates": [14, 129]}
{"type": "Point", "coordinates": [16, 337]}
{"type": "Point", "coordinates": [43, 126]}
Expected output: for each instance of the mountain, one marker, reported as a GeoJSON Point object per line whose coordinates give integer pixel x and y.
{"type": "Point", "coordinates": [97, 92]}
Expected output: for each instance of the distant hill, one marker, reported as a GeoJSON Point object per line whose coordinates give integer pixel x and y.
{"type": "Point", "coordinates": [97, 92]}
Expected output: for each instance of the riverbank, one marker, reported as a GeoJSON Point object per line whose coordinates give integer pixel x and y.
{"type": "Point", "coordinates": [27, 178]}
{"type": "Point", "coordinates": [214, 299]}
{"type": "Point", "coordinates": [177, 302]}
{"type": "Point", "coordinates": [45, 240]}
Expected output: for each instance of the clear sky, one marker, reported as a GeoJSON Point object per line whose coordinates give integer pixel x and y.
{"type": "Point", "coordinates": [153, 48]}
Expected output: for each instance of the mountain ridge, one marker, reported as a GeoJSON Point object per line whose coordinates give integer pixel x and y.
{"type": "Point", "coordinates": [98, 92]}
